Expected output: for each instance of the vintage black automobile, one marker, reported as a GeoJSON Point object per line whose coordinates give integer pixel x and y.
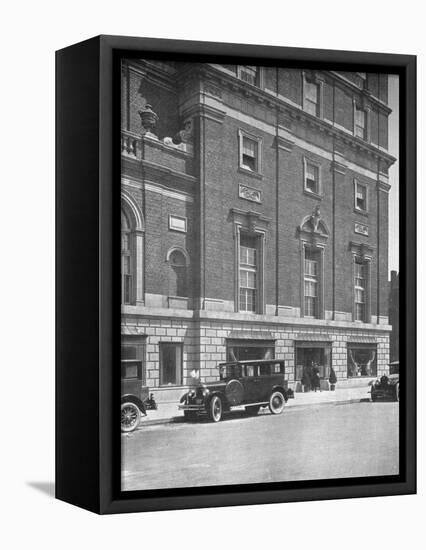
{"type": "Point", "coordinates": [387, 387]}
{"type": "Point", "coordinates": [252, 384]}
{"type": "Point", "coordinates": [135, 398]}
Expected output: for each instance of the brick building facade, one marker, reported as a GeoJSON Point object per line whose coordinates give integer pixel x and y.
{"type": "Point", "coordinates": [254, 221]}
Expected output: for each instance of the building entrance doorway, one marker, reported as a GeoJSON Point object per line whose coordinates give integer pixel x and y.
{"type": "Point", "coordinates": [245, 350]}
{"type": "Point", "coordinates": [312, 355]}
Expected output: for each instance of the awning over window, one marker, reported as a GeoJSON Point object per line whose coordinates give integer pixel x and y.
{"type": "Point", "coordinates": [250, 335]}
{"type": "Point", "coordinates": [362, 340]}
{"type": "Point", "coordinates": [319, 338]}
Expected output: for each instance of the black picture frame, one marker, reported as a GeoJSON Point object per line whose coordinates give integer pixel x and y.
{"type": "Point", "coordinates": [87, 282]}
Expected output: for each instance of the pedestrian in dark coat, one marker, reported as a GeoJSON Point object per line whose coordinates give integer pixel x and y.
{"type": "Point", "coordinates": [306, 379]}
{"type": "Point", "coordinates": [315, 378]}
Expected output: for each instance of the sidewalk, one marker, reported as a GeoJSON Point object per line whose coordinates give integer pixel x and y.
{"type": "Point", "coordinates": [169, 412]}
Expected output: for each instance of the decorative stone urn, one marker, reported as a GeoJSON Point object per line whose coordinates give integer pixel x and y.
{"type": "Point", "coordinates": [149, 119]}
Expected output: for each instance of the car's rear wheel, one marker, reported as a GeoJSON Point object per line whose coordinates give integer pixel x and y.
{"type": "Point", "coordinates": [215, 409]}
{"type": "Point", "coordinates": [130, 416]}
{"type": "Point", "coordinates": [252, 410]}
{"type": "Point", "coordinates": [397, 392]}
{"type": "Point", "coordinates": [276, 402]}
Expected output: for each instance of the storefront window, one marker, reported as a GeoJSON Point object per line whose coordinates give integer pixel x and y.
{"type": "Point", "coordinates": [362, 360]}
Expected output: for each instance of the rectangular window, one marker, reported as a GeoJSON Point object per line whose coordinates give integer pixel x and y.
{"type": "Point", "coordinates": [360, 289]}
{"type": "Point", "coordinates": [249, 74]}
{"type": "Point", "coordinates": [311, 283]}
{"type": "Point", "coordinates": [249, 154]}
{"type": "Point", "coordinates": [248, 273]}
{"type": "Point", "coordinates": [170, 364]}
{"type": "Point", "coordinates": [132, 358]}
{"type": "Point", "coordinates": [360, 197]}
{"type": "Point", "coordinates": [360, 123]}
{"type": "Point", "coordinates": [311, 177]}
{"type": "Point", "coordinates": [311, 97]}
{"type": "Point", "coordinates": [362, 360]}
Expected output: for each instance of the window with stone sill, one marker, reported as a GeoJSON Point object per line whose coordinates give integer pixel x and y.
{"type": "Point", "coordinates": [249, 74]}
{"type": "Point", "coordinates": [360, 118]}
{"type": "Point", "coordinates": [248, 273]}
{"type": "Point", "coordinates": [360, 290]}
{"type": "Point", "coordinates": [178, 283]}
{"type": "Point", "coordinates": [311, 283]}
{"type": "Point", "coordinates": [311, 97]}
{"type": "Point", "coordinates": [311, 177]}
{"type": "Point", "coordinates": [360, 192]}
{"type": "Point", "coordinates": [250, 152]}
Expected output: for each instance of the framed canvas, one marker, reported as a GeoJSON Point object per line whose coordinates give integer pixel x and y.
{"type": "Point", "coordinates": [236, 281]}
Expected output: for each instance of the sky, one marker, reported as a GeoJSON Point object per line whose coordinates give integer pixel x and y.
{"type": "Point", "coordinates": [394, 174]}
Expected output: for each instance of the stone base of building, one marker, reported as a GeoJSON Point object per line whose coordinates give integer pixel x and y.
{"type": "Point", "coordinates": [180, 348]}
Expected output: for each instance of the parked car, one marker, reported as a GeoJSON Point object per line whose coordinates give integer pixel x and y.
{"type": "Point", "coordinates": [135, 398]}
{"type": "Point", "coordinates": [387, 387]}
{"type": "Point", "coordinates": [252, 384]}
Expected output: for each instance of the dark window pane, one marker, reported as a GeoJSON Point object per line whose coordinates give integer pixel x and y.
{"type": "Point", "coordinates": [171, 364]}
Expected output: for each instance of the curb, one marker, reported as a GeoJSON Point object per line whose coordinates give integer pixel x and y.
{"type": "Point", "coordinates": [180, 419]}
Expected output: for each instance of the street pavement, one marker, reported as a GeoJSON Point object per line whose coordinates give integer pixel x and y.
{"type": "Point", "coordinates": [169, 412]}
{"type": "Point", "coordinates": [320, 441]}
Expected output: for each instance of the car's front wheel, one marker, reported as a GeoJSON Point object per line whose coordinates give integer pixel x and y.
{"type": "Point", "coordinates": [130, 416]}
{"type": "Point", "coordinates": [215, 409]}
{"type": "Point", "coordinates": [276, 402]}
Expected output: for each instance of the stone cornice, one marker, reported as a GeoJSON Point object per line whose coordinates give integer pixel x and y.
{"type": "Point", "coordinates": [151, 169]}
{"type": "Point", "coordinates": [206, 111]}
{"type": "Point", "coordinates": [234, 84]}
{"type": "Point", "coordinates": [246, 318]}
{"type": "Point", "coordinates": [366, 94]}
{"type": "Point", "coordinates": [384, 186]}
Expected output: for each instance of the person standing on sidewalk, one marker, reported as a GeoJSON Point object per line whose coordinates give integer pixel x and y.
{"type": "Point", "coordinates": [316, 382]}
{"type": "Point", "coordinates": [306, 378]}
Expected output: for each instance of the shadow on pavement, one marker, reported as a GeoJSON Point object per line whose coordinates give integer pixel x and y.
{"type": "Point", "coordinates": [46, 487]}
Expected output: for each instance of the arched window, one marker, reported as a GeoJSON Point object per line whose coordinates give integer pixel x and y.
{"type": "Point", "coordinates": [178, 274]}
{"type": "Point", "coordinates": [127, 260]}
{"type": "Point", "coordinates": [132, 252]}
